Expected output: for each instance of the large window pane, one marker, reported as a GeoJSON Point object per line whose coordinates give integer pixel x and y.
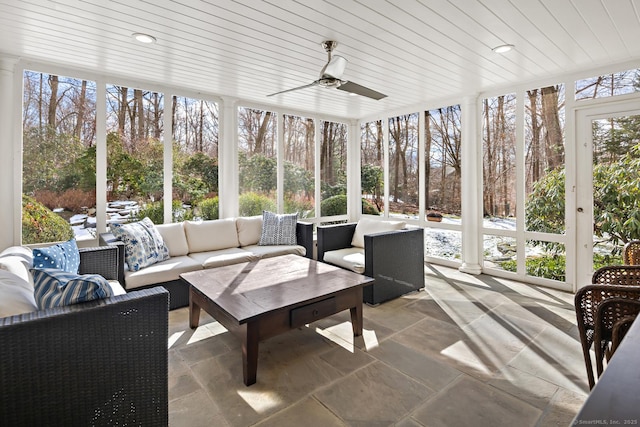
{"type": "Point", "coordinates": [59, 158]}
{"type": "Point", "coordinates": [134, 154]}
{"type": "Point", "coordinates": [544, 159]}
{"type": "Point", "coordinates": [372, 167]}
{"type": "Point", "coordinates": [333, 168]}
{"type": "Point", "coordinates": [499, 161]}
{"type": "Point", "coordinates": [195, 159]}
{"type": "Point", "coordinates": [443, 183]}
{"type": "Point", "coordinates": [299, 143]}
{"type": "Point", "coordinates": [403, 166]}
{"type": "Point", "coordinates": [257, 157]}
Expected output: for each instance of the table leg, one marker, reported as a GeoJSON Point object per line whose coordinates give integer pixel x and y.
{"type": "Point", "coordinates": [356, 315]}
{"type": "Point", "coordinates": [194, 312]}
{"type": "Point", "coordinates": [250, 353]}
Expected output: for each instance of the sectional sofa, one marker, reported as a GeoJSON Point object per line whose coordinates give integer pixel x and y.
{"type": "Point", "coordinates": [102, 362]}
{"type": "Point", "coordinates": [195, 245]}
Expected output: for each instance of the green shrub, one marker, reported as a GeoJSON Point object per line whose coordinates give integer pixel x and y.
{"type": "Point", "coordinates": [155, 212]}
{"type": "Point", "coordinates": [209, 208]}
{"type": "Point", "coordinates": [547, 266]}
{"type": "Point", "coordinates": [253, 204]}
{"type": "Point", "coordinates": [303, 207]}
{"type": "Point", "coordinates": [41, 225]}
{"type": "Point", "coordinates": [337, 205]}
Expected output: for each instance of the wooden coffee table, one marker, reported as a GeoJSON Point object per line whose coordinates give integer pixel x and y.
{"type": "Point", "coordinates": [258, 300]}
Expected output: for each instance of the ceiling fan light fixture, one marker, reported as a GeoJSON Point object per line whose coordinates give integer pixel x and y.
{"type": "Point", "coordinates": [503, 48]}
{"type": "Point", "coordinates": [144, 38]}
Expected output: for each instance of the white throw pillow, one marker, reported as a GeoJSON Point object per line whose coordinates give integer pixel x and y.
{"type": "Point", "coordinates": [21, 251]}
{"type": "Point", "coordinates": [211, 235]}
{"type": "Point", "coordinates": [18, 266]}
{"type": "Point", "coordinates": [174, 237]}
{"type": "Point", "coordinates": [16, 295]}
{"type": "Point", "coordinates": [372, 226]}
{"type": "Point", "coordinates": [249, 230]}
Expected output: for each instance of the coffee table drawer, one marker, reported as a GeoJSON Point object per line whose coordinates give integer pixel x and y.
{"type": "Point", "coordinates": [311, 312]}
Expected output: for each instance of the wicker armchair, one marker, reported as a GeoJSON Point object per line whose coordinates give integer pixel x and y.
{"type": "Point", "coordinates": [631, 253]}
{"type": "Point", "coordinates": [609, 315]}
{"type": "Point", "coordinates": [587, 301]}
{"type": "Point", "coordinates": [102, 362]}
{"type": "Point", "coordinates": [395, 259]}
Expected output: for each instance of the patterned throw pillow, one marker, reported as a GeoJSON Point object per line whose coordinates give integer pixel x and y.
{"type": "Point", "coordinates": [143, 244]}
{"type": "Point", "coordinates": [63, 256]}
{"type": "Point", "coordinates": [55, 288]}
{"type": "Point", "coordinates": [278, 229]}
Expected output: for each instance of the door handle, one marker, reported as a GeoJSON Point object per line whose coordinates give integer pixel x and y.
{"type": "Point", "coordinates": [580, 210]}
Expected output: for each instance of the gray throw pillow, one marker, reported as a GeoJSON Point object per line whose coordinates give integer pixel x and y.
{"type": "Point", "coordinates": [278, 229]}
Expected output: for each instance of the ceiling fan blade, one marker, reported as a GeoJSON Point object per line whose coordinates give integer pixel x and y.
{"type": "Point", "coordinates": [295, 88]}
{"type": "Point", "coordinates": [361, 90]}
{"type": "Point", "coordinates": [335, 67]}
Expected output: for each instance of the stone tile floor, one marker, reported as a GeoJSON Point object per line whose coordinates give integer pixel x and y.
{"type": "Point", "coordinates": [468, 351]}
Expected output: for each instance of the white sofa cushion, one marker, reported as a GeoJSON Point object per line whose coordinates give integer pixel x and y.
{"type": "Point", "coordinates": [249, 230]}
{"type": "Point", "coordinates": [222, 257]}
{"type": "Point", "coordinates": [16, 295]}
{"type": "Point", "coordinates": [372, 226]}
{"type": "Point", "coordinates": [348, 258]}
{"type": "Point", "coordinates": [174, 237]}
{"type": "Point", "coordinates": [277, 250]}
{"type": "Point", "coordinates": [162, 271]}
{"type": "Point", "coordinates": [211, 235]}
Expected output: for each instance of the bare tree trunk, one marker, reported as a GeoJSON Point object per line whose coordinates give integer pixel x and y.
{"type": "Point", "coordinates": [122, 109]}
{"type": "Point", "coordinates": [200, 138]}
{"type": "Point", "coordinates": [262, 132]}
{"type": "Point", "coordinates": [40, 107]}
{"type": "Point", "coordinates": [80, 106]}
{"type": "Point", "coordinates": [553, 148]}
{"type": "Point", "coordinates": [174, 118]}
{"type": "Point", "coordinates": [535, 136]}
{"type": "Point", "coordinates": [427, 160]}
{"type": "Point", "coordinates": [53, 101]}
{"type": "Point", "coordinates": [139, 115]}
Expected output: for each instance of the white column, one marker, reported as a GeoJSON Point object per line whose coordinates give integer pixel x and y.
{"type": "Point", "coordinates": [354, 187]}
{"type": "Point", "coordinates": [471, 187]}
{"type": "Point", "coordinates": [228, 183]}
{"type": "Point", "coordinates": [10, 197]}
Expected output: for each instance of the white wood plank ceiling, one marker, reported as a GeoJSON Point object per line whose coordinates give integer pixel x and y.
{"type": "Point", "coordinates": [412, 50]}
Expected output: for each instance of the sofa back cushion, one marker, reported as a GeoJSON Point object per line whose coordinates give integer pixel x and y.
{"type": "Point", "coordinates": [249, 230]}
{"type": "Point", "coordinates": [372, 226]}
{"type": "Point", "coordinates": [211, 235]}
{"type": "Point", "coordinates": [174, 237]}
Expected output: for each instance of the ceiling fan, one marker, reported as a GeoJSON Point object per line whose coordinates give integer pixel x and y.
{"type": "Point", "coordinates": [331, 73]}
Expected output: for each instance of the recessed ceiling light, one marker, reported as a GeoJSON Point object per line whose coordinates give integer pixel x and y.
{"type": "Point", "coordinates": [143, 38]}
{"type": "Point", "coordinates": [503, 48]}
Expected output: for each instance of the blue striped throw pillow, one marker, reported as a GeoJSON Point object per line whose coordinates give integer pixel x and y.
{"type": "Point", "coordinates": [55, 288]}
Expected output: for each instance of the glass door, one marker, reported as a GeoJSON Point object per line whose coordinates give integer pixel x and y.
{"type": "Point", "coordinates": [608, 186]}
